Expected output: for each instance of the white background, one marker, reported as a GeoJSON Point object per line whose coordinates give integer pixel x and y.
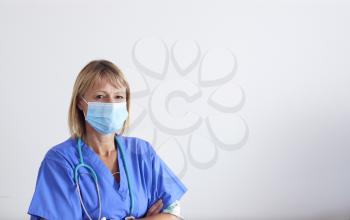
{"type": "Point", "coordinates": [293, 63]}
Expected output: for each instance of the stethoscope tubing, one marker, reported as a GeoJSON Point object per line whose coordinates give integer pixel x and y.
{"type": "Point", "coordinates": [94, 176]}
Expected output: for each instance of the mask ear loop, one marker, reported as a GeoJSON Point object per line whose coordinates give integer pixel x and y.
{"type": "Point", "coordinates": [84, 99]}
{"type": "Point", "coordinates": [86, 103]}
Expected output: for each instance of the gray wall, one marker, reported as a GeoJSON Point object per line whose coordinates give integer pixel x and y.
{"type": "Point", "coordinates": [247, 101]}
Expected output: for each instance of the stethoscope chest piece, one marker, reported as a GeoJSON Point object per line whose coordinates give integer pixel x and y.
{"type": "Point", "coordinates": [130, 218]}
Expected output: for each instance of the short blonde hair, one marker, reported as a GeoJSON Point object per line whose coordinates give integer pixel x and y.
{"type": "Point", "coordinates": [92, 73]}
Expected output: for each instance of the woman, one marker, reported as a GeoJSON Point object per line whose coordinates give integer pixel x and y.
{"type": "Point", "coordinates": [97, 173]}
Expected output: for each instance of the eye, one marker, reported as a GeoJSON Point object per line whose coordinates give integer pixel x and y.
{"type": "Point", "coordinates": [119, 97]}
{"type": "Point", "coordinates": [99, 97]}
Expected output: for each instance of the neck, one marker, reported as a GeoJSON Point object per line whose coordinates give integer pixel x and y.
{"type": "Point", "coordinates": [103, 145]}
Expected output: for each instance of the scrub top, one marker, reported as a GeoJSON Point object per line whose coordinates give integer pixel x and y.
{"type": "Point", "coordinates": [56, 196]}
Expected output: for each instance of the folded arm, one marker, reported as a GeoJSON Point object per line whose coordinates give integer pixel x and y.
{"type": "Point", "coordinates": [170, 213]}
{"type": "Point", "coordinates": [161, 216]}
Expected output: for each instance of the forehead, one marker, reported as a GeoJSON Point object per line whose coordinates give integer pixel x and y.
{"type": "Point", "coordinates": [103, 84]}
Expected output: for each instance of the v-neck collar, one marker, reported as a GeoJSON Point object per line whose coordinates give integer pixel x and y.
{"type": "Point", "coordinates": [106, 175]}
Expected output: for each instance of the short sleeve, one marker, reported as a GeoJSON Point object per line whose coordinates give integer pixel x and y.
{"type": "Point", "coordinates": [165, 184]}
{"type": "Point", "coordinates": [55, 195]}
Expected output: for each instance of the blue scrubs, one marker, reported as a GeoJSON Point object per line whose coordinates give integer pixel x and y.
{"type": "Point", "coordinates": [56, 197]}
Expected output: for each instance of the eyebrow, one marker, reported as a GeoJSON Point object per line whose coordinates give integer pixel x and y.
{"type": "Point", "coordinates": [118, 91]}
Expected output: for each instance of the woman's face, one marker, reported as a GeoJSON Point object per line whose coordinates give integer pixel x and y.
{"type": "Point", "coordinates": [102, 92]}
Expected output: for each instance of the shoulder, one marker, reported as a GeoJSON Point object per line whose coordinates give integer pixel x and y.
{"type": "Point", "coordinates": [63, 153]}
{"type": "Point", "coordinates": [136, 145]}
{"type": "Point", "coordinates": [132, 140]}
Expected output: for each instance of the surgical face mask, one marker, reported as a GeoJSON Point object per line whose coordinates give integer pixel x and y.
{"type": "Point", "coordinates": [106, 118]}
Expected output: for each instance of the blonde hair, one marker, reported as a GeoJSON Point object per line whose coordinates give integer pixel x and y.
{"type": "Point", "coordinates": [93, 72]}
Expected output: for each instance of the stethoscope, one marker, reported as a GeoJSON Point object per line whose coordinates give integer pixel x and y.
{"type": "Point", "coordinates": [94, 176]}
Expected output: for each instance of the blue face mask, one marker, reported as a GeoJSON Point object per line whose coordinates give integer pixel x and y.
{"type": "Point", "coordinates": [106, 118]}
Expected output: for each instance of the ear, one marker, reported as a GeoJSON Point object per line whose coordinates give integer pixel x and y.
{"type": "Point", "coordinates": [80, 104]}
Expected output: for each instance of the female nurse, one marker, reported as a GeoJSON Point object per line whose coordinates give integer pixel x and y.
{"type": "Point", "coordinates": [97, 173]}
